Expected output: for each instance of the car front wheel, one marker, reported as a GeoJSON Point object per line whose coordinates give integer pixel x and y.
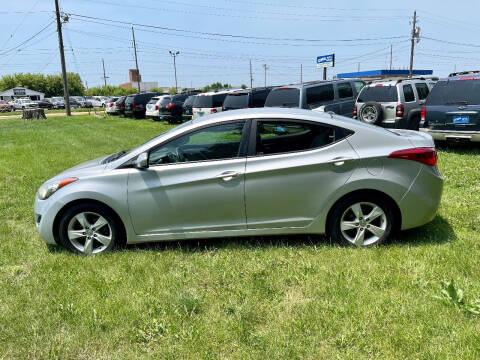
{"type": "Point", "coordinates": [88, 229]}
{"type": "Point", "coordinates": [361, 221]}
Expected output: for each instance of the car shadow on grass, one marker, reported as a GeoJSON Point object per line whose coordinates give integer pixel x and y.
{"type": "Point", "coordinates": [459, 148]}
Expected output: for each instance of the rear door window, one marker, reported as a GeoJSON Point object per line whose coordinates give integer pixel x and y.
{"type": "Point", "coordinates": [218, 100]}
{"type": "Point", "coordinates": [422, 90]}
{"type": "Point", "coordinates": [358, 85]}
{"type": "Point", "coordinates": [318, 95]}
{"type": "Point", "coordinates": [276, 137]}
{"type": "Point", "coordinates": [283, 97]}
{"type": "Point", "coordinates": [408, 93]}
{"type": "Point", "coordinates": [378, 94]}
{"type": "Point", "coordinates": [344, 90]}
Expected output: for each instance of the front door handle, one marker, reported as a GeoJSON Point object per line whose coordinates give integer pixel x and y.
{"type": "Point", "coordinates": [339, 161]}
{"type": "Point", "coordinates": [228, 175]}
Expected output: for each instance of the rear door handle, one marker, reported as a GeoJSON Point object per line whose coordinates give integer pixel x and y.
{"type": "Point", "coordinates": [339, 161]}
{"type": "Point", "coordinates": [228, 175]}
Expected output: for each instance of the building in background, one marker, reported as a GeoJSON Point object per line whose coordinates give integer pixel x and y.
{"type": "Point", "coordinates": [384, 74]}
{"type": "Point", "coordinates": [136, 78]}
{"type": "Point", "coordinates": [20, 92]}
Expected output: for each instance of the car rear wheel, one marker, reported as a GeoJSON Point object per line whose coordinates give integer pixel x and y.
{"type": "Point", "coordinates": [361, 221]}
{"type": "Point", "coordinates": [88, 229]}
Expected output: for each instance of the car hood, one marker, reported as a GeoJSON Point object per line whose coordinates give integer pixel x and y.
{"type": "Point", "coordinates": [87, 168]}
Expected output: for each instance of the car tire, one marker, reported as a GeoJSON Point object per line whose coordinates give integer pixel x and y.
{"type": "Point", "coordinates": [361, 220]}
{"type": "Point", "coordinates": [371, 113]}
{"type": "Point", "coordinates": [77, 230]}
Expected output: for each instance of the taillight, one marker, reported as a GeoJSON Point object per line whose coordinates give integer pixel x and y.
{"type": "Point", "coordinates": [424, 155]}
{"type": "Point", "coordinates": [400, 110]}
{"type": "Point", "coordinates": [156, 107]}
{"type": "Point", "coordinates": [355, 110]}
{"type": "Point", "coordinates": [423, 114]}
{"type": "Point", "coordinates": [134, 106]}
{"type": "Point", "coordinates": [170, 106]}
{"type": "Point", "coordinates": [213, 111]}
{"type": "Point", "coordinates": [110, 105]}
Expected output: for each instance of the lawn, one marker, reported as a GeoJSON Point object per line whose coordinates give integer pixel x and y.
{"type": "Point", "coordinates": [257, 298]}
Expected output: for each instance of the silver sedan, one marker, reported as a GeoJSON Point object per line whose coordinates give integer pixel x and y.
{"type": "Point", "coordinates": [247, 172]}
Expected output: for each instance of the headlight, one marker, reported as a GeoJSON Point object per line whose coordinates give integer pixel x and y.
{"type": "Point", "coordinates": [46, 190]}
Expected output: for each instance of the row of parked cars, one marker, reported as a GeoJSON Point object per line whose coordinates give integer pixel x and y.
{"type": "Point", "coordinates": [447, 109]}
{"type": "Point", "coordinates": [54, 103]}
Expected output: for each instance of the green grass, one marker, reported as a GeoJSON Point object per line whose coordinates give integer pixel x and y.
{"type": "Point", "coordinates": [52, 111]}
{"type": "Point", "coordinates": [258, 298]}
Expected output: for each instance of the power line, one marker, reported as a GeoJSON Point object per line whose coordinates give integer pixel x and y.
{"type": "Point", "coordinates": [27, 40]}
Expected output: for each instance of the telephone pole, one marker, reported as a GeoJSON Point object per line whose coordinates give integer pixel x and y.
{"type": "Point", "coordinates": [175, 54]}
{"type": "Point", "coordinates": [415, 36]}
{"type": "Point", "coordinates": [136, 59]}
{"type": "Point", "coordinates": [104, 76]}
{"type": "Point", "coordinates": [251, 75]}
{"type": "Point", "coordinates": [301, 73]}
{"type": "Point", "coordinates": [62, 59]}
{"type": "Point", "coordinates": [391, 56]}
{"type": "Point", "coordinates": [358, 67]}
{"type": "Point", "coordinates": [265, 67]}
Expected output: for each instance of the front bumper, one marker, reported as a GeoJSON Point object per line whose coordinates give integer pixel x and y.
{"type": "Point", "coordinates": [454, 135]}
{"type": "Point", "coordinates": [45, 212]}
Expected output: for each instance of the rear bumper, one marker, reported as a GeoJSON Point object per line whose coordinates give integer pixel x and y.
{"type": "Point", "coordinates": [420, 204]}
{"type": "Point", "coordinates": [444, 135]}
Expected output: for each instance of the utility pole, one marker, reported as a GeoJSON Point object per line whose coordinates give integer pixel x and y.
{"type": "Point", "coordinates": [62, 58]}
{"type": "Point", "coordinates": [251, 75]}
{"type": "Point", "coordinates": [175, 54]}
{"type": "Point", "coordinates": [104, 76]}
{"type": "Point", "coordinates": [301, 73]}
{"type": "Point", "coordinates": [358, 67]}
{"type": "Point", "coordinates": [265, 67]}
{"type": "Point", "coordinates": [324, 73]}
{"type": "Point", "coordinates": [415, 35]}
{"type": "Point", "coordinates": [391, 56]}
{"type": "Point", "coordinates": [136, 59]}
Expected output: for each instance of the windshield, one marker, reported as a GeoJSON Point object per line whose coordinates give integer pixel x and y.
{"type": "Point", "coordinates": [237, 101]}
{"type": "Point", "coordinates": [203, 102]}
{"type": "Point", "coordinates": [378, 94]}
{"type": "Point", "coordinates": [283, 97]}
{"type": "Point", "coordinates": [455, 92]}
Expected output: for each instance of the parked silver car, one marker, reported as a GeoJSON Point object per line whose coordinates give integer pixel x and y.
{"type": "Point", "coordinates": [247, 172]}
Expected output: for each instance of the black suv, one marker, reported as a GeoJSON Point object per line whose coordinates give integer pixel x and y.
{"type": "Point", "coordinates": [452, 109]}
{"type": "Point", "coordinates": [337, 96]}
{"type": "Point", "coordinates": [171, 107]}
{"type": "Point", "coordinates": [250, 98]}
{"type": "Point", "coordinates": [136, 104]}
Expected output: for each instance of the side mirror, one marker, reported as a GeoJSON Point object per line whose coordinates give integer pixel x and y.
{"type": "Point", "coordinates": [142, 161]}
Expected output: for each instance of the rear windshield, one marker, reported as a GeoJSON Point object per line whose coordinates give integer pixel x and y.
{"type": "Point", "coordinates": [203, 102]}
{"type": "Point", "coordinates": [237, 101]}
{"type": "Point", "coordinates": [130, 99]}
{"type": "Point", "coordinates": [166, 100]}
{"type": "Point", "coordinates": [189, 101]}
{"type": "Point", "coordinates": [378, 94]}
{"type": "Point", "coordinates": [455, 92]}
{"type": "Point", "coordinates": [153, 100]}
{"type": "Point", "coordinates": [289, 97]}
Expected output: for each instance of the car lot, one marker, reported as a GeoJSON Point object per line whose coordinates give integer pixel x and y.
{"type": "Point", "coordinates": [257, 296]}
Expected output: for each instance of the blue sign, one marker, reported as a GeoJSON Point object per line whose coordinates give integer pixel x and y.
{"type": "Point", "coordinates": [326, 61]}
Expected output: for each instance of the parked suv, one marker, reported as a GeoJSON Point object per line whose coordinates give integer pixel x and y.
{"type": "Point", "coordinates": [452, 110]}
{"type": "Point", "coordinates": [249, 98]}
{"type": "Point", "coordinates": [136, 104]}
{"type": "Point", "coordinates": [393, 103]}
{"type": "Point", "coordinates": [120, 105]}
{"type": "Point", "coordinates": [209, 103]}
{"type": "Point", "coordinates": [171, 107]}
{"type": "Point", "coordinates": [153, 107]}
{"type": "Point", "coordinates": [337, 96]}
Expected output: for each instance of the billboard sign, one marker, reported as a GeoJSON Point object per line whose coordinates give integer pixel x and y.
{"type": "Point", "coordinates": [326, 61]}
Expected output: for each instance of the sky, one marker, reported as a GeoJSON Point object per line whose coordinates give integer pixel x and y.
{"type": "Point", "coordinates": [217, 39]}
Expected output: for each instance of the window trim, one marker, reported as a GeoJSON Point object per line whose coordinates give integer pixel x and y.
{"type": "Point", "coordinates": [251, 152]}
{"type": "Point", "coordinates": [242, 151]}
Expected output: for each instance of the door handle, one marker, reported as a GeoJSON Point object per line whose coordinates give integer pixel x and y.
{"type": "Point", "coordinates": [228, 175]}
{"type": "Point", "coordinates": [339, 161]}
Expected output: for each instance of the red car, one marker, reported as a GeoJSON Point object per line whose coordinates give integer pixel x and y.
{"type": "Point", "coordinates": [5, 107]}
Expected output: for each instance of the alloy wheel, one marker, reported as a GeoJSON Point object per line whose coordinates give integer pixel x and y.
{"type": "Point", "coordinates": [89, 232]}
{"type": "Point", "coordinates": [369, 114]}
{"type": "Point", "coordinates": [363, 223]}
